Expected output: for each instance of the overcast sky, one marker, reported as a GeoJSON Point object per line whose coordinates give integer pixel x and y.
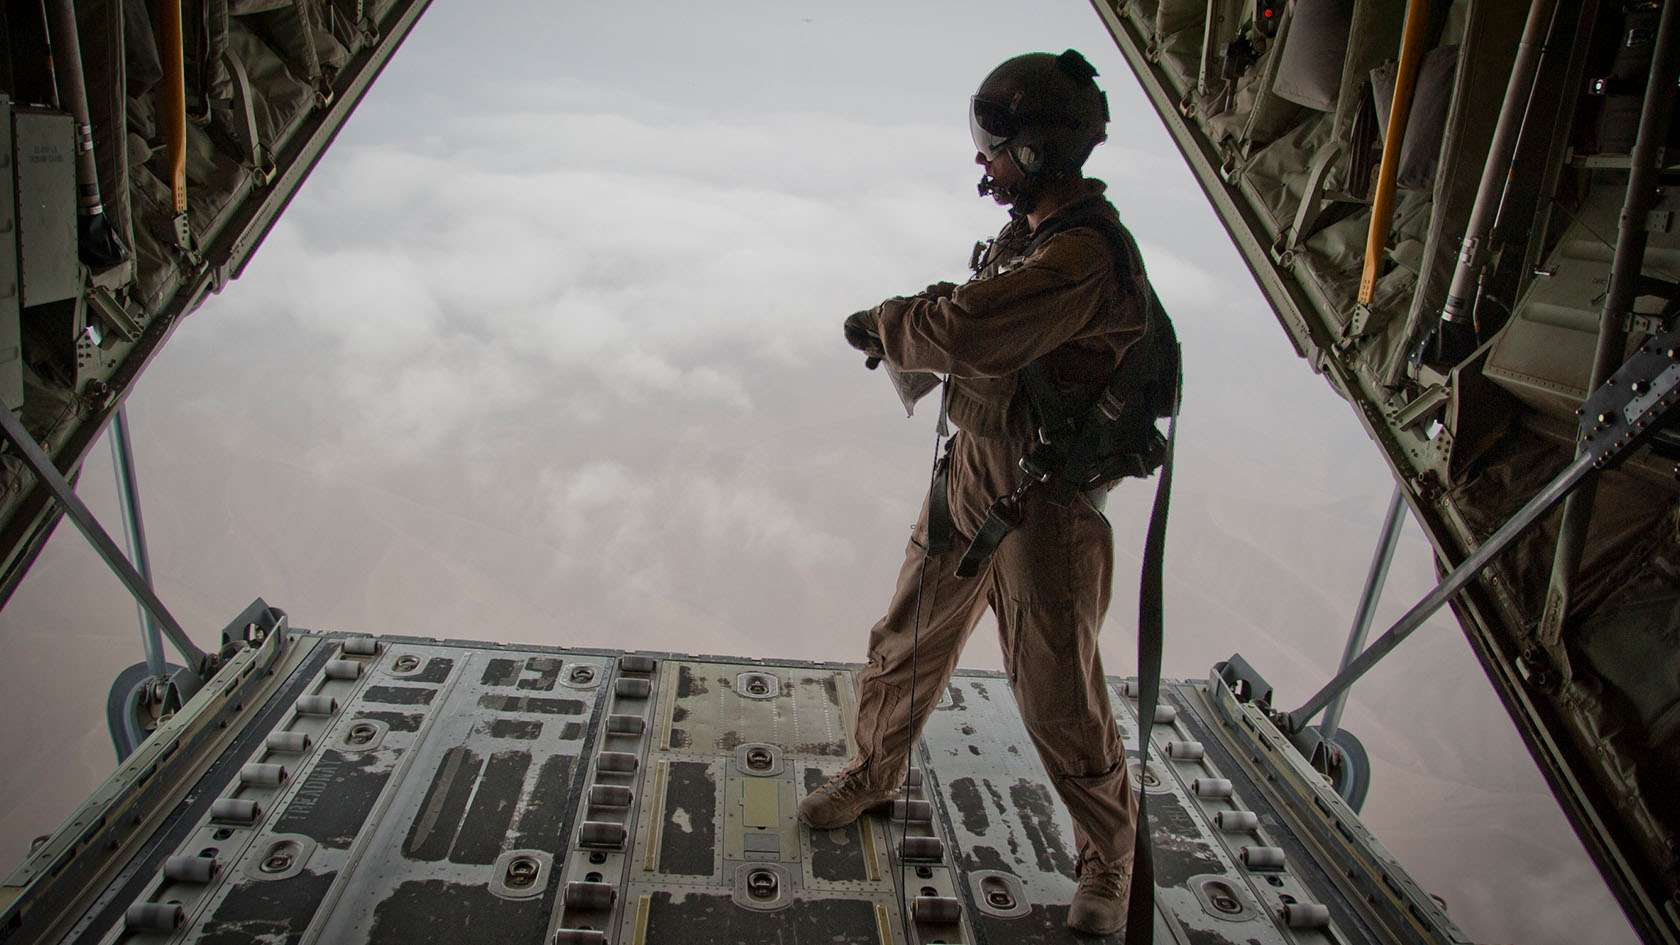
{"type": "Point", "coordinates": [548, 350]}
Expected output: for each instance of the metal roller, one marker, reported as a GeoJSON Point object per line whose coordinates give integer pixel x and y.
{"type": "Point", "coordinates": [360, 646]}
{"type": "Point", "coordinates": [316, 705]}
{"type": "Point", "coordinates": [621, 761]}
{"type": "Point", "coordinates": [289, 742]}
{"type": "Point", "coordinates": [154, 917]}
{"type": "Point", "coordinates": [1306, 915]}
{"type": "Point", "coordinates": [1237, 821]}
{"type": "Point", "coordinates": [190, 869]}
{"type": "Point", "coordinates": [1211, 787]}
{"type": "Point", "coordinates": [1129, 689]}
{"type": "Point", "coordinates": [629, 687]}
{"type": "Point", "coordinates": [936, 910]}
{"type": "Point", "coordinates": [1165, 714]}
{"type": "Point", "coordinates": [611, 795]}
{"type": "Point", "coordinates": [626, 724]}
{"type": "Point", "coordinates": [1262, 858]}
{"type": "Point", "coordinates": [601, 833]}
{"type": "Point", "coordinates": [593, 896]}
{"type": "Point", "coordinates": [924, 849]}
{"type": "Point", "coordinates": [1185, 751]}
{"type": "Point", "coordinates": [915, 777]}
{"type": "Point", "coordinates": [637, 664]}
{"type": "Point", "coordinates": [580, 937]}
{"type": "Point", "coordinates": [343, 669]}
{"type": "Point", "coordinates": [235, 810]}
{"type": "Point", "coordinates": [919, 812]}
{"type": "Point", "coordinates": [264, 775]}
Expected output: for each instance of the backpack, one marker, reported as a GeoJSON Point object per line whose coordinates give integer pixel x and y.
{"type": "Point", "coordinates": [1112, 435]}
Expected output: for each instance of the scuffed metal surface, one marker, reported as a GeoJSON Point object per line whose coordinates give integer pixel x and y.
{"type": "Point", "coordinates": [1004, 816]}
{"type": "Point", "coordinates": [689, 828]}
{"type": "Point", "coordinates": [336, 796]}
{"type": "Point", "coordinates": [437, 910]}
{"type": "Point", "coordinates": [274, 913]}
{"type": "Point", "coordinates": [410, 837]}
{"type": "Point", "coordinates": [695, 917]}
{"type": "Point", "coordinates": [469, 765]}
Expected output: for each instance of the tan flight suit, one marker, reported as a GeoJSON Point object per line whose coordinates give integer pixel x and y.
{"type": "Point", "coordinates": [1049, 581]}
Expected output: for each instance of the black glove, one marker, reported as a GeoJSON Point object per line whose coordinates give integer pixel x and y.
{"type": "Point", "coordinates": [863, 332]}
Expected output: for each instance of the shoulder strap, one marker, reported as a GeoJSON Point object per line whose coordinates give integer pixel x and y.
{"type": "Point", "coordinates": [1049, 408]}
{"type": "Point", "coordinates": [1122, 385]}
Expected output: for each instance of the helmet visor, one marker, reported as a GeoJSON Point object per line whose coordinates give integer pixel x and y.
{"type": "Point", "coordinates": [991, 125]}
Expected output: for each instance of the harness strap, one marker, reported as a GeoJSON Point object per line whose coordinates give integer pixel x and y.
{"type": "Point", "coordinates": [1001, 519]}
{"type": "Point", "coordinates": [941, 530]}
{"type": "Point", "coordinates": [1049, 407]}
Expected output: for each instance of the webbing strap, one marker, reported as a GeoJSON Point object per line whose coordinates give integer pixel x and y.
{"type": "Point", "coordinates": [1140, 907]}
{"type": "Point", "coordinates": [941, 530]}
{"type": "Point", "coordinates": [1050, 409]}
{"type": "Point", "coordinates": [1001, 519]}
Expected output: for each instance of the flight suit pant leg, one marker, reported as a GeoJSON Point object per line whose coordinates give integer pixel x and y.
{"type": "Point", "coordinates": [898, 651]}
{"type": "Point", "coordinates": [1051, 588]}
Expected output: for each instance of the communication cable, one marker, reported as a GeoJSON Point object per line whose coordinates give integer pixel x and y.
{"type": "Point", "coordinates": [915, 641]}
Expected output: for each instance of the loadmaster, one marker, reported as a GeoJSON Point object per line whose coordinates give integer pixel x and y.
{"type": "Point", "coordinates": [1057, 361]}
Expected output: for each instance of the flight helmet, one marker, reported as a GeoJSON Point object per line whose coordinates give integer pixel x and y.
{"type": "Point", "coordinates": [1045, 112]}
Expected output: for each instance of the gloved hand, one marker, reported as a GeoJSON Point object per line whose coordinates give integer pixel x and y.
{"type": "Point", "coordinates": [863, 332]}
{"type": "Point", "coordinates": [939, 290]}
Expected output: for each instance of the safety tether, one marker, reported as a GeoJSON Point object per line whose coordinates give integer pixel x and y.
{"type": "Point", "coordinates": [1140, 906]}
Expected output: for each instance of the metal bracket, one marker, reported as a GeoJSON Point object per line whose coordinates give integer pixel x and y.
{"type": "Point", "coordinates": [181, 226]}
{"type": "Point", "coordinates": [1244, 681]}
{"type": "Point", "coordinates": [1621, 413]}
{"type": "Point", "coordinates": [1425, 407]}
{"type": "Point", "coordinates": [113, 314]}
{"type": "Point", "coordinates": [1643, 324]}
{"type": "Point", "coordinates": [255, 624]}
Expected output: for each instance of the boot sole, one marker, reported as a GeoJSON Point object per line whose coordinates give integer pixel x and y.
{"type": "Point", "coordinates": [877, 806]}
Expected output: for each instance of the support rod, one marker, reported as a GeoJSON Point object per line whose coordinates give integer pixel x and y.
{"type": "Point", "coordinates": [1543, 502]}
{"type": "Point", "coordinates": [1399, 115]}
{"type": "Point", "coordinates": [134, 528]}
{"type": "Point", "coordinates": [1644, 173]}
{"type": "Point", "coordinates": [52, 68]}
{"type": "Point", "coordinates": [1393, 519]}
{"type": "Point", "coordinates": [1496, 172]}
{"type": "Point", "coordinates": [96, 239]}
{"type": "Point", "coordinates": [31, 453]}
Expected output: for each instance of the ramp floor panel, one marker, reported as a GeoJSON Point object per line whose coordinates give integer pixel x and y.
{"type": "Point", "coordinates": [472, 792]}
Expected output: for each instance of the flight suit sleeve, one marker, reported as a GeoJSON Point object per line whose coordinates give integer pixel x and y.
{"type": "Point", "coordinates": [998, 326]}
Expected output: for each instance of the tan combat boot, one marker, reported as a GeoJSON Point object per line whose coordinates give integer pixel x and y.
{"type": "Point", "coordinates": [1099, 905]}
{"type": "Point", "coordinates": [843, 799]}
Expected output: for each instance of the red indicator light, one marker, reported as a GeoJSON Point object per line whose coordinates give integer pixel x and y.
{"type": "Point", "coordinates": [1267, 13]}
